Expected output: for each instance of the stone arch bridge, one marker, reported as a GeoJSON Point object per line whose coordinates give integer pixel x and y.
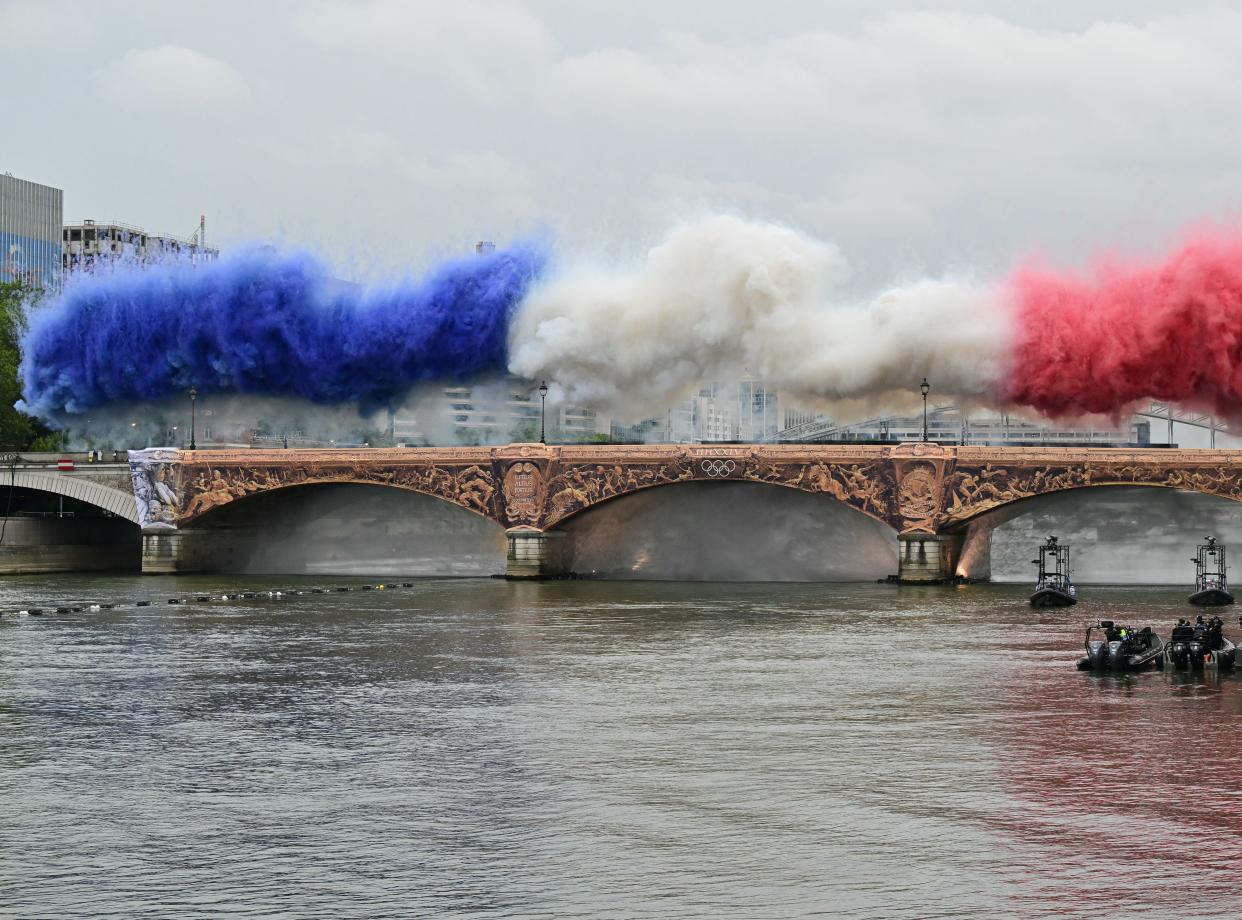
{"type": "Point", "coordinates": [936, 499]}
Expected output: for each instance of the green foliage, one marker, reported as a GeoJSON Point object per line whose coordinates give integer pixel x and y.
{"type": "Point", "coordinates": [18, 431]}
{"type": "Point", "coordinates": [525, 433]}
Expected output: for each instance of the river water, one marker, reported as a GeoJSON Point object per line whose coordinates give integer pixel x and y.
{"type": "Point", "coordinates": [477, 748]}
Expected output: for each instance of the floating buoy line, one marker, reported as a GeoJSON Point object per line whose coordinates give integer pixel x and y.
{"type": "Point", "coordinates": [274, 594]}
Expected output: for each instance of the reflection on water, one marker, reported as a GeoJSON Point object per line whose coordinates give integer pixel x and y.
{"type": "Point", "coordinates": [586, 749]}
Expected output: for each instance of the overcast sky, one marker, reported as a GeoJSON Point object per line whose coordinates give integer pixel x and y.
{"type": "Point", "coordinates": [919, 138]}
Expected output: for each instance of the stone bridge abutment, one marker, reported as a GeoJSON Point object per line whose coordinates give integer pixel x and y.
{"type": "Point", "coordinates": [941, 502]}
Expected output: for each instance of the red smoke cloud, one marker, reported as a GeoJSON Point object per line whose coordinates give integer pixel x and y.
{"type": "Point", "coordinates": [1169, 331]}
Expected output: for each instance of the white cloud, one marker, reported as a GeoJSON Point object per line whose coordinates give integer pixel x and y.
{"type": "Point", "coordinates": [941, 140]}
{"type": "Point", "coordinates": [171, 77]}
{"type": "Point", "coordinates": [457, 171]}
{"type": "Point", "coordinates": [27, 22]}
{"type": "Point", "coordinates": [488, 50]}
{"type": "Point", "coordinates": [925, 81]}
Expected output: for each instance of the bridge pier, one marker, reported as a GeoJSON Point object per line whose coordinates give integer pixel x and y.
{"type": "Point", "coordinates": [171, 552]}
{"type": "Point", "coordinates": [927, 558]}
{"type": "Point", "coordinates": [535, 554]}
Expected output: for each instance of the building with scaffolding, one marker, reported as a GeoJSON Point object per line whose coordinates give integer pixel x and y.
{"type": "Point", "coordinates": [90, 243]}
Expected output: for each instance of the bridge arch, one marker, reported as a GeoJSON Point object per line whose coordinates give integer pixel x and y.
{"type": "Point", "coordinates": [1118, 532]}
{"type": "Point", "coordinates": [730, 530]}
{"type": "Point", "coordinates": [825, 487]}
{"type": "Point", "coordinates": [197, 517]}
{"type": "Point", "coordinates": [115, 501]}
{"type": "Point", "coordinates": [347, 528]}
{"type": "Point", "coordinates": [1004, 511]}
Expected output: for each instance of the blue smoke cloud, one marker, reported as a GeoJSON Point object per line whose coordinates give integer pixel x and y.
{"type": "Point", "coordinates": [272, 324]}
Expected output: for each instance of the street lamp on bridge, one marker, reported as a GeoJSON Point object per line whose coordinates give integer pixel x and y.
{"type": "Point", "coordinates": [193, 399]}
{"type": "Point", "coordinates": [924, 388]}
{"type": "Point", "coordinates": [543, 411]}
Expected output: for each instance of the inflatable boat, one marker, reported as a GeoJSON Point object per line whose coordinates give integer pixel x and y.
{"type": "Point", "coordinates": [1121, 648]}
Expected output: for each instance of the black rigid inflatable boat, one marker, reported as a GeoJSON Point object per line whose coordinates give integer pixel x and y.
{"type": "Point", "coordinates": [1053, 587]}
{"type": "Point", "coordinates": [1121, 648]}
{"type": "Point", "coordinates": [1201, 645]}
{"type": "Point", "coordinates": [1211, 576]}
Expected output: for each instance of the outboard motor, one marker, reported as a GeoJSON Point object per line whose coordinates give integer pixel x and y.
{"type": "Point", "coordinates": [1197, 647]}
{"type": "Point", "coordinates": [1120, 646]}
{"type": "Point", "coordinates": [1179, 643]}
{"type": "Point", "coordinates": [1202, 645]}
{"type": "Point", "coordinates": [1097, 649]}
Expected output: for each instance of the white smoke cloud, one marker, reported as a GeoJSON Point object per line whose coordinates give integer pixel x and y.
{"type": "Point", "coordinates": [722, 297]}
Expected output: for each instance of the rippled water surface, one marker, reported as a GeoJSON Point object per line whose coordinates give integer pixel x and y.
{"type": "Point", "coordinates": [589, 749]}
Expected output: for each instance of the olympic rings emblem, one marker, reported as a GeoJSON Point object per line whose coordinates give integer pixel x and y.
{"type": "Point", "coordinates": [717, 469]}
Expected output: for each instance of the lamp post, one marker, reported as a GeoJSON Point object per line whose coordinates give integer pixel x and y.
{"type": "Point", "coordinates": [193, 399]}
{"type": "Point", "coordinates": [924, 388]}
{"type": "Point", "coordinates": [543, 411]}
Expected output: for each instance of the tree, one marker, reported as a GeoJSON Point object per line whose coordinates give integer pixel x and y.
{"type": "Point", "coordinates": [524, 432]}
{"type": "Point", "coordinates": [18, 431]}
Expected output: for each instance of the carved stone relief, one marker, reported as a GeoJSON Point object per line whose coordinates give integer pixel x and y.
{"type": "Point", "coordinates": [156, 481]}
{"type": "Point", "coordinates": [913, 487]}
{"type": "Point", "coordinates": [919, 496]}
{"type": "Point", "coordinates": [210, 486]}
{"type": "Point", "coordinates": [523, 490]}
{"type": "Point", "coordinates": [865, 486]}
{"type": "Point", "coordinates": [972, 490]}
{"type": "Point", "coordinates": [574, 488]}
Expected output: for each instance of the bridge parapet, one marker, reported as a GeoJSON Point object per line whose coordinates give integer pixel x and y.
{"type": "Point", "coordinates": [915, 488]}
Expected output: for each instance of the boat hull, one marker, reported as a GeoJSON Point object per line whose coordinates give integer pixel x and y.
{"type": "Point", "coordinates": [1123, 656]}
{"type": "Point", "coordinates": [1052, 597]}
{"type": "Point", "coordinates": [1211, 597]}
{"type": "Point", "coordinates": [1194, 654]}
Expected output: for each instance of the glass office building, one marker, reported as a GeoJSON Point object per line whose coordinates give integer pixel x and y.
{"type": "Point", "coordinates": [31, 216]}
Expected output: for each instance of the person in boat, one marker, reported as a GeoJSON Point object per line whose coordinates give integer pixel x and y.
{"type": "Point", "coordinates": [1182, 632]}
{"type": "Point", "coordinates": [1213, 638]}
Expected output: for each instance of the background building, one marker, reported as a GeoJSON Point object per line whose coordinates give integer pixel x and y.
{"type": "Point", "coordinates": [742, 411]}
{"type": "Point", "coordinates": [750, 412]}
{"type": "Point", "coordinates": [949, 425]}
{"type": "Point", "coordinates": [30, 231]}
{"type": "Point", "coordinates": [494, 412]}
{"type": "Point", "coordinates": [1157, 425]}
{"type": "Point", "coordinates": [89, 243]}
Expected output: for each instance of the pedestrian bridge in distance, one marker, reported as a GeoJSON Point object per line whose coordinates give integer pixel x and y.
{"type": "Point", "coordinates": [941, 502]}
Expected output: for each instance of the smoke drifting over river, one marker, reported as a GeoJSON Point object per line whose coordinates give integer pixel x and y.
{"type": "Point", "coordinates": [723, 297]}
{"type": "Point", "coordinates": [718, 298]}
{"type": "Point", "coordinates": [268, 324]}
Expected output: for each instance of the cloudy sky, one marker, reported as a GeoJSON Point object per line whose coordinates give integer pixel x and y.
{"type": "Point", "coordinates": [919, 137]}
